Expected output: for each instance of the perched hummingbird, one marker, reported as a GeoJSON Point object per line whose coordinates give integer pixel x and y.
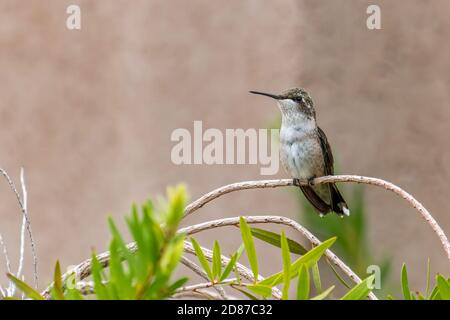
{"type": "Point", "coordinates": [304, 150]}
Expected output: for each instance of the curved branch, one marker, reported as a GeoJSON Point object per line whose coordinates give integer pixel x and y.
{"type": "Point", "coordinates": [84, 269]}
{"type": "Point", "coordinates": [277, 220]}
{"type": "Point", "coordinates": [425, 214]}
{"type": "Point", "coordinates": [199, 271]}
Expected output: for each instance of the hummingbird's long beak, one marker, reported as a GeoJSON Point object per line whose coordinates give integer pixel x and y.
{"type": "Point", "coordinates": [266, 94]}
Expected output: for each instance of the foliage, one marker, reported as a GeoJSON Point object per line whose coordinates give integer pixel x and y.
{"type": "Point", "coordinates": [299, 269]}
{"type": "Point", "coordinates": [144, 273]}
{"type": "Point", "coordinates": [144, 268]}
{"type": "Point", "coordinates": [353, 245]}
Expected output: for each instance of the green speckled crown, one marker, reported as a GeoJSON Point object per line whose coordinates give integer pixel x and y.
{"type": "Point", "coordinates": [297, 94]}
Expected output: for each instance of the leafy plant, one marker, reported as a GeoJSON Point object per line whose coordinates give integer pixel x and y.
{"type": "Point", "coordinates": [441, 291]}
{"type": "Point", "coordinates": [353, 245]}
{"type": "Point", "coordinates": [143, 272]}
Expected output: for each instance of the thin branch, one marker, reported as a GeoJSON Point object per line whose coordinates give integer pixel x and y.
{"type": "Point", "coordinates": [425, 214]}
{"type": "Point", "coordinates": [25, 215]}
{"type": "Point", "coordinates": [242, 270]}
{"type": "Point", "coordinates": [7, 291]}
{"type": "Point", "coordinates": [85, 287]}
{"type": "Point", "coordinates": [5, 254]}
{"type": "Point", "coordinates": [24, 221]}
{"type": "Point", "coordinates": [191, 265]}
{"type": "Point", "coordinates": [277, 220]}
{"type": "Point", "coordinates": [205, 285]}
{"type": "Point", "coordinates": [200, 294]}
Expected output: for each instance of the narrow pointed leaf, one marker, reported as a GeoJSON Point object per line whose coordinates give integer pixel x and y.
{"type": "Point", "coordinates": [324, 294]}
{"type": "Point", "coordinates": [338, 276]}
{"type": "Point", "coordinates": [316, 277]}
{"type": "Point", "coordinates": [265, 291]}
{"type": "Point", "coordinates": [247, 294]}
{"type": "Point", "coordinates": [229, 267]}
{"type": "Point", "coordinates": [444, 287]}
{"type": "Point", "coordinates": [303, 283]}
{"type": "Point", "coordinates": [249, 246]}
{"type": "Point", "coordinates": [202, 259]}
{"type": "Point", "coordinates": [25, 288]}
{"type": "Point", "coordinates": [308, 259]}
{"type": "Point", "coordinates": [286, 266]}
{"type": "Point", "coordinates": [361, 290]}
{"type": "Point", "coordinates": [427, 291]}
{"type": "Point", "coordinates": [405, 285]}
{"type": "Point", "coordinates": [274, 239]}
{"type": "Point", "coordinates": [217, 261]}
{"type": "Point", "coordinates": [57, 282]}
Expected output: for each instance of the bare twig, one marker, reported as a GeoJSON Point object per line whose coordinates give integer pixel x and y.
{"type": "Point", "coordinates": [205, 285]}
{"type": "Point", "coordinates": [5, 292]}
{"type": "Point", "coordinates": [425, 214]}
{"type": "Point", "coordinates": [24, 222]}
{"type": "Point", "coordinates": [23, 203]}
{"type": "Point", "coordinates": [191, 265]}
{"type": "Point", "coordinates": [200, 294]}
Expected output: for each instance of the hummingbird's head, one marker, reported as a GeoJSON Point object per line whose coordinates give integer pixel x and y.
{"type": "Point", "coordinates": [293, 102]}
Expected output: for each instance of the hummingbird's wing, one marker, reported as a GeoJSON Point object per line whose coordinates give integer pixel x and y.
{"type": "Point", "coordinates": [338, 203]}
{"type": "Point", "coordinates": [326, 151]}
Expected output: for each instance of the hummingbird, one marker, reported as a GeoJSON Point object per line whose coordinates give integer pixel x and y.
{"type": "Point", "coordinates": [305, 152]}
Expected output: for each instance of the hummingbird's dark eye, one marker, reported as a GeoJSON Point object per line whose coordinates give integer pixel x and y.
{"type": "Point", "coordinates": [299, 99]}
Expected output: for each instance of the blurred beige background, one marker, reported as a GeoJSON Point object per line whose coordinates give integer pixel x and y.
{"type": "Point", "coordinates": [89, 113]}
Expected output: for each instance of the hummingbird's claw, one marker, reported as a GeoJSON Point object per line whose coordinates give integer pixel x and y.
{"type": "Point", "coordinates": [311, 181]}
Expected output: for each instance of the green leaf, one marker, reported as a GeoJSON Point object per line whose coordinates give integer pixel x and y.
{"type": "Point", "coordinates": [172, 255]}
{"type": "Point", "coordinates": [286, 265]}
{"type": "Point", "coordinates": [316, 277]}
{"type": "Point", "coordinates": [361, 290]}
{"type": "Point", "coordinates": [100, 290]}
{"type": "Point", "coordinates": [239, 251]}
{"type": "Point", "coordinates": [435, 294]}
{"type": "Point", "coordinates": [57, 282]}
{"type": "Point", "coordinates": [405, 285]}
{"type": "Point", "coordinates": [274, 239]}
{"type": "Point", "coordinates": [263, 290]}
{"type": "Point", "coordinates": [249, 246]}
{"type": "Point", "coordinates": [177, 200]}
{"type": "Point", "coordinates": [178, 284]}
{"type": "Point", "coordinates": [238, 256]}
{"type": "Point", "coordinates": [25, 288]}
{"type": "Point", "coordinates": [308, 259]}
{"type": "Point", "coordinates": [427, 291]}
{"type": "Point", "coordinates": [217, 261]}
{"type": "Point", "coordinates": [247, 294]}
{"type": "Point", "coordinates": [338, 276]}
{"type": "Point", "coordinates": [303, 283]}
{"type": "Point", "coordinates": [324, 294]}
{"type": "Point", "coordinates": [229, 267]}
{"type": "Point", "coordinates": [444, 287]}
{"type": "Point", "coordinates": [73, 294]}
{"type": "Point", "coordinates": [202, 259]}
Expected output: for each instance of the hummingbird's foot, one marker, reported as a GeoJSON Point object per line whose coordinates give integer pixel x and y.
{"type": "Point", "coordinates": [300, 182]}
{"type": "Point", "coordinates": [311, 181]}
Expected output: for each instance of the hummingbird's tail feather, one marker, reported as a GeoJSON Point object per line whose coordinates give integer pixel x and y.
{"type": "Point", "coordinates": [338, 203]}
{"type": "Point", "coordinates": [315, 200]}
